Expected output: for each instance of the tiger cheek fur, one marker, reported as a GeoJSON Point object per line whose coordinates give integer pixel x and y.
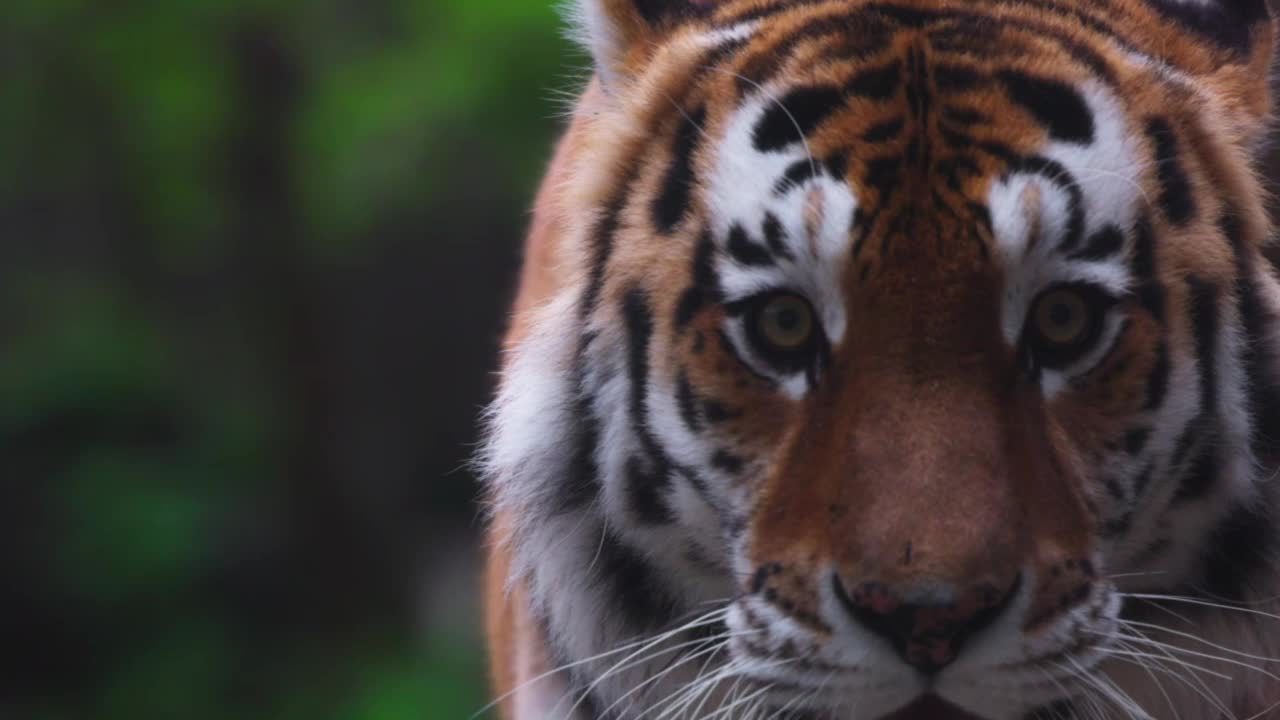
{"type": "Point", "coordinates": [896, 359]}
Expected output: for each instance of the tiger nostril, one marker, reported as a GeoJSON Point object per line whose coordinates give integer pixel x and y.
{"type": "Point", "coordinates": [927, 635]}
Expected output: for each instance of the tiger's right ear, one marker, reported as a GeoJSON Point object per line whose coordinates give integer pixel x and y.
{"type": "Point", "coordinates": [619, 33]}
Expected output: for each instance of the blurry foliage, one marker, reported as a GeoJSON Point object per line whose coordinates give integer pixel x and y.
{"type": "Point", "coordinates": [204, 208]}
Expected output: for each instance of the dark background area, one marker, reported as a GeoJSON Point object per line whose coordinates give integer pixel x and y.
{"type": "Point", "coordinates": [255, 257]}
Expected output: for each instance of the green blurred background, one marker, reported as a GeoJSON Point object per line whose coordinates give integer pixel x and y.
{"type": "Point", "coordinates": [254, 263]}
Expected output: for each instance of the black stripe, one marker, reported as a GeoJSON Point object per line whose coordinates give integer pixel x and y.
{"type": "Point", "coordinates": [1201, 476]}
{"type": "Point", "coordinates": [963, 116]}
{"type": "Point", "coordinates": [646, 493]}
{"type": "Point", "coordinates": [883, 174]}
{"type": "Point", "coordinates": [718, 412]}
{"type": "Point", "coordinates": [672, 201]}
{"type": "Point", "coordinates": [728, 462]}
{"type": "Point", "coordinates": [1054, 104]}
{"type": "Point", "coordinates": [1101, 245]}
{"type": "Point", "coordinates": [1143, 267]}
{"type": "Point", "coordinates": [1258, 361]}
{"type": "Point", "coordinates": [977, 23]}
{"type": "Point", "coordinates": [637, 593]}
{"type": "Point", "coordinates": [1176, 200]}
{"type": "Point", "coordinates": [1136, 439]}
{"type": "Point", "coordinates": [1238, 553]}
{"type": "Point", "coordinates": [876, 83]}
{"type": "Point", "coordinates": [883, 131]}
{"type": "Point", "coordinates": [863, 39]}
{"type": "Point", "coordinates": [687, 403]}
{"type": "Point", "coordinates": [773, 236]}
{"type": "Point", "coordinates": [796, 174]}
{"type": "Point", "coordinates": [1203, 308]}
{"type": "Point", "coordinates": [579, 485]}
{"type": "Point", "coordinates": [746, 252]}
{"type": "Point", "coordinates": [646, 487]}
{"type": "Point", "coordinates": [791, 119]}
{"type": "Point", "coordinates": [1158, 379]}
{"type": "Point", "coordinates": [705, 287]}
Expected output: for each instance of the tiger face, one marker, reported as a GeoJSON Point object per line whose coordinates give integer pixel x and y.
{"type": "Point", "coordinates": [900, 359]}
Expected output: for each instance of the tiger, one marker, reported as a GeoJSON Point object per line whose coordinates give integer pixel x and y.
{"type": "Point", "coordinates": [895, 360]}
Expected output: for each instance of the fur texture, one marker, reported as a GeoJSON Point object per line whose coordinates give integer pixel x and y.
{"type": "Point", "coordinates": [896, 358]}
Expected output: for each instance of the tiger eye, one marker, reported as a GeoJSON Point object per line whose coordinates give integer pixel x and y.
{"type": "Point", "coordinates": [786, 322]}
{"type": "Point", "coordinates": [1062, 317]}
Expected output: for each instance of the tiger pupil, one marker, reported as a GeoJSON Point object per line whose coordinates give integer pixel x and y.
{"type": "Point", "coordinates": [1060, 315]}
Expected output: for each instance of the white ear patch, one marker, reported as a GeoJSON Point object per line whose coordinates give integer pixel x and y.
{"type": "Point", "coordinates": [593, 26]}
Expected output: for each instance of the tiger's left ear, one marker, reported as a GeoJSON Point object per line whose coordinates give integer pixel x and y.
{"type": "Point", "coordinates": [1240, 36]}
{"type": "Point", "coordinates": [620, 32]}
{"type": "Point", "coordinates": [1233, 25]}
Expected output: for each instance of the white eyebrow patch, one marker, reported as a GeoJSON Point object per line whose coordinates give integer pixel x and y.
{"type": "Point", "coordinates": [787, 203]}
{"type": "Point", "coordinates": [1069, 189]}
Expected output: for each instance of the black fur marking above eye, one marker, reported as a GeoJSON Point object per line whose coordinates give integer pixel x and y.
{"type": "Point", "coordinates": [795, 116]}
{"type": "Point", "coordinates": [837, 165]}
{"type": "Point", "coordinates": [797, 173]}
{"type": "Point", "coordinates": [773, 236]}
{"type": "Point", "coordinates": [883, 131]}
{"type": "Point", "coordinates": [1101, 245]}
{"type": "Point", "coordinates": [671, 204]}
{"type": "Point", "coordinates": [687, 402]}
{"type": "Point", "coordinates": [745, 251]}
{"type": "Point", "coordinates": [646, 491]}
{"type": "Point", "coordinates": [1054, 104]}
{"type": "Point", "coordinates": [706, 285]}
{"type": "Point", "coordinates": [964, 117]}
{"type": "Point", "coordinates": [1228, 23]}
{"type": "Point", "coordinates": [876, 83]}
{"type": "Point", "coordinates": [956, 78]}
{"type": "Point", "coordinates": [884, 174]}
{"type": "Point", "coordinates": [1176, 199]}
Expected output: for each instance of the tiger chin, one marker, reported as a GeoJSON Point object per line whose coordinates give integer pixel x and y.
{"type": "Point", "coordinates": [896, 360]}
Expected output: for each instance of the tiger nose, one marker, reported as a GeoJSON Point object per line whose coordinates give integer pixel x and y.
{"type": "Point", "coordinates": [928, 635]}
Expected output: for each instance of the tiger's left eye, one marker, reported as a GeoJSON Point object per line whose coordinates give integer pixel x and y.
{"type": "Point", "coordinates": [785, 321]}
{"type": "Point", "coordinates": [1064, 323]}
{"type": "Point", "coordinates": [1062, 317]}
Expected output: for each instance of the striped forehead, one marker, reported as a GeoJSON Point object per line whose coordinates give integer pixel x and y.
{"type": "Point", "coordinates": [1061, 210]}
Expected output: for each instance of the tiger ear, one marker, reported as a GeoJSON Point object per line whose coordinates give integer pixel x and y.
{"type": "Point", "coordinates": [617, 32]}
{"type": "Point", "coordinates": [1240, 35]}
{"type": "Point", "coordinates": [1234, 25]}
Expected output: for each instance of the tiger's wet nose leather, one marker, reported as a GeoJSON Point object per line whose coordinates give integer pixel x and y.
{"type": "Point", "coordinates": [927, 635]}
